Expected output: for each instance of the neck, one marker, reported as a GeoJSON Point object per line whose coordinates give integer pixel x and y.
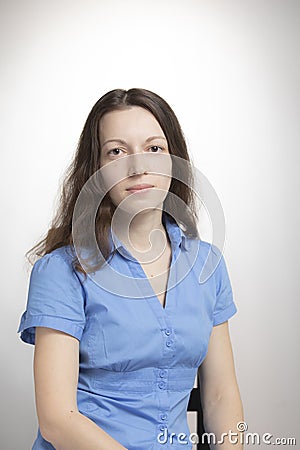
{"type": "Point", "coordinates": [138, 233]}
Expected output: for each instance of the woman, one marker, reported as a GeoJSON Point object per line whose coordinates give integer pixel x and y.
{"type": "Point", "coordinates": [119, 340]}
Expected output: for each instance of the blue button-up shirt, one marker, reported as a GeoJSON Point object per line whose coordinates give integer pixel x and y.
{"type": "Point", "coordinates": [138, 360]}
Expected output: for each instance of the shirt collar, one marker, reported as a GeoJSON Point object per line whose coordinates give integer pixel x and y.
{"type": "Point", "coordinates": [175, 233]}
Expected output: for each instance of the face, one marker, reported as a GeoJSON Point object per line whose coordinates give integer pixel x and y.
{"type": "Point", "coordinates": [135, 159]}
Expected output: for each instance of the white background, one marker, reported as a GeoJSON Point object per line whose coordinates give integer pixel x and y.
{"type": "Point", "coordinates": [230, 71]}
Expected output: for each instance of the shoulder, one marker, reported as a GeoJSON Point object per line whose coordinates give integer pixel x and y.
{"type": "Point", "coordinates": [204, 249]}
{"type": "Point", "coordinates": [59, 256]}
{"type": "Point", "coordinates": [58, 263]}
{"type": "Point", "coordinates": [207, 257]}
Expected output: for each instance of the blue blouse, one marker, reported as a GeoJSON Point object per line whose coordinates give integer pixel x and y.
{"type": "Point", "coordinates": [138, 360]}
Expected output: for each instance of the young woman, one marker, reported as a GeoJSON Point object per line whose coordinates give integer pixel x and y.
{"type": "Point", "coordinates": [119, 340]}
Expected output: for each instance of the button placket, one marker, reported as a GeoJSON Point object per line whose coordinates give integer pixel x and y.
{"type": "Point", "coordinates": [163, 373]}
{"type": "Point", "coordinates": [163, 377]}
{"type": "Point", "coordinates": [162, 384]}
{"type": "Point", "coordinates": [162, 428]}
{"type": "Point", "coordinates": [169, 341]}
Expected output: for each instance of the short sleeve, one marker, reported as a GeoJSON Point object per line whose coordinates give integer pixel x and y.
{"type": "Point", "coordinates": [55, 299]}
{"type": "Point", "coordinates": [224, 306]}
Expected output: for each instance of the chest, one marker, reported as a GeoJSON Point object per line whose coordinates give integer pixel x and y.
{"type": "Point", "coordinates": [157, 272]}
{"type": "Point", "coordinates": [126, 330]}
{"type": "Point", "coordinates": [124, 333]}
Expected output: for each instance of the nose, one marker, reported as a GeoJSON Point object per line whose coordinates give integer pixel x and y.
{"type": "Point", "coordinates": [137, 164]}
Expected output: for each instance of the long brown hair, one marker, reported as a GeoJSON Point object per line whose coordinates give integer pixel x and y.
{"type": "Point", "coordinates": [86, 162]}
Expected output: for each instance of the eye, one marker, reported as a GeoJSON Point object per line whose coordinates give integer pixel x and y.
{"type": "Point", "coordinates": [156, 148]}
{"type": "Point", "coordinates": [114, 152]}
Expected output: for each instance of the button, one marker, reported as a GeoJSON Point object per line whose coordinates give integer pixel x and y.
{"type": "Point", "coordinates": [163, 416]}
{"type": "Point", "coordinates": [167, 331]}
{"type": "Point", "coordinates": [169, 342]}
{"type": "Point", "coordinates": [162, 427]}
{"type": "Point", "coordinates": [162, 385]}
{"type": "Point", "coordinates": [162, 373]}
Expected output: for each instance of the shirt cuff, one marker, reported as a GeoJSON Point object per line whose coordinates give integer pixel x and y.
{"type": "Point", "coordinates": [224, 314]}
{"type": "Point", "coordinates": [28, 324]}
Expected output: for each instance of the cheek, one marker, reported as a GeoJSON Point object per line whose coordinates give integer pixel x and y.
{"type": "Point", "coordinates": [165, 183]}
{"type": "Point", "coordinates": [107, 179]}
{"type": "Point", "coordinates": [115, 194]}
{"type": "Point", "coordinates": [113, 175]}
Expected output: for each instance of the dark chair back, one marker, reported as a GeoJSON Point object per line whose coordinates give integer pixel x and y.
{"type": "Point", "coordinates": [195, 405]}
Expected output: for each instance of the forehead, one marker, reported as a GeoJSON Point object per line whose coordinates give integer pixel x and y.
{"type": "Point", "coordinates": [127, 122]}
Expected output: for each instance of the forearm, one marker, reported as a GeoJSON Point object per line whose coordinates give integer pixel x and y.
{"type": "Point", "coordinates": [220, 417]}
{"type": "Point", "coordinates": [74, 431]}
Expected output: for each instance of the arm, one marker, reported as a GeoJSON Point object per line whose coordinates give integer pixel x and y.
{"type": "Point", "coordinates": [221, 401]}
{"type": "Point", "coordinates": [56, 365]}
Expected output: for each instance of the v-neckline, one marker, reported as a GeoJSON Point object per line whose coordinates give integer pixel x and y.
{"type": "Point", "coordinates": [166, 300]}
{"type": "Point", "coordinates": [167, 296]}
{"type": "Point", "coordinates": [154, 294]}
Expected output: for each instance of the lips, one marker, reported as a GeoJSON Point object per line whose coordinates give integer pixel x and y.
{"type": "Point", "coordinates": [139, 187]}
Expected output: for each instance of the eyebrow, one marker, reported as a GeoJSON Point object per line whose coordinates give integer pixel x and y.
{"type": "Point", "coordinates": [121, 141]}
